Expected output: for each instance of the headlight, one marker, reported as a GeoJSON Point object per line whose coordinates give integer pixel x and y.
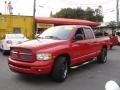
{"type": "Point", "coordinates": [44, 56]}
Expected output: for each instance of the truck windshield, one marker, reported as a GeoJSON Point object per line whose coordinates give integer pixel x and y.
{"type": "Point", "coordinates": [59, 32]}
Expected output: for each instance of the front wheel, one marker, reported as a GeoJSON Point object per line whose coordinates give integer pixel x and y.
{"type": "Point", "coordinates": [102, 57]}
{"type": "Point", "coordinates": [60, 69]}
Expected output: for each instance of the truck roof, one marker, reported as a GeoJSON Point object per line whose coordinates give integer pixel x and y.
{"type": "Point", "coordinates": [74, 26]}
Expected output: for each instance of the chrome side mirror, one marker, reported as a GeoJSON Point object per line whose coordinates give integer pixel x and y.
{"type": "Point", "coordinates": [112, 85]}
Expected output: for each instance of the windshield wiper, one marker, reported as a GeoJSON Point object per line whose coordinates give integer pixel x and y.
{"type": "Point", "coordinates": [41, 37]}
{"type": "Point", "coordinates": [52, 37]}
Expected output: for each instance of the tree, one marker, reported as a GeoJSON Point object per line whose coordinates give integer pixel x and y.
{"type": "Point", "coordinates": [0, 13]}
{"type": "Point", "coordinates": [112, 24]}
{"type": "Point", "coordinates": [99, 14]}
{"type": "Point", "coordinates": [51, 14]}
{"type": "Point", "coordinates": [99, 18]}
{"type": "Point", "coordinates": [98, 11]}
{"type": "Point", "coordinates": [89, 14]}
{"type": "Point", "coordinates": [78, 13]}
{"type": "Point", "coordinates": [66, 13]}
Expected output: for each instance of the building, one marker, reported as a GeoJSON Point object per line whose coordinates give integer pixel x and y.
{"type": "Point", "coordinates": [16, 24]}
{"type": "Point", "coordinates": [23, 24]}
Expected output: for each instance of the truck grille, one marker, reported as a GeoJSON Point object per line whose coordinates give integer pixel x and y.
{"type": "Point", "coordinates": [21, 54]}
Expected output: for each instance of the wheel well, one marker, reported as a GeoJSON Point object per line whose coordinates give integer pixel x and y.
{"type": "Point", "coordinates": [104, 46]}
{"type": "Point", "coordinates": [67, 57]}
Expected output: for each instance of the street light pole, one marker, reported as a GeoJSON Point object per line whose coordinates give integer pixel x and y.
{"type": "Point", "coordinates": [33, 26]}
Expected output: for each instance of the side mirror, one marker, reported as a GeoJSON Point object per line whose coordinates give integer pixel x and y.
{"type": "Point", "coordinates": [79, 37]}
{"type": "Point", "coordinates": [37, 35]}
{"type": "Point", "coordinates": [112, 85]}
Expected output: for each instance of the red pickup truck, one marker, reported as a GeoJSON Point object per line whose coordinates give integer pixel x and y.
{"type": "Point", "coordinates": [56, 50]}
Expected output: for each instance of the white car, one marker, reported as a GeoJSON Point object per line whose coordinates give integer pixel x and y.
{"type": "Point", "coordinates": [11, 39]}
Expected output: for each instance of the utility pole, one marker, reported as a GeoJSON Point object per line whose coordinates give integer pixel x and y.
{"type": "Point", "coordinates": [5, 7]}
{"type": "Point", "coordinates": [33, 27]}
{"type": "Point", "coordinates": [117, 12]}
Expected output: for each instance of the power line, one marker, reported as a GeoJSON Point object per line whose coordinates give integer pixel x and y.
{"type": "Point", "coordinates": [95, 4]}
{"type": "Point", "coordinates": [109, 11]}
{"type": "Point", "coordinates": [106, 2]}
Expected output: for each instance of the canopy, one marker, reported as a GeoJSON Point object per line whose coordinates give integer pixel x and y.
{"type": "Point", "coordinates": [65, 21]}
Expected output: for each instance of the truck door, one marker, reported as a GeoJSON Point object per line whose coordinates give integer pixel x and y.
{"type": "Point", "coordinates": [79, 47]}
{"type": "Point", "coordinates": [91, 43]}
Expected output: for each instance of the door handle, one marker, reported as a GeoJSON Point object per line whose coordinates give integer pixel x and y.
{"type": "Point", "coordinates": [87, 43]}
{"type": "Point", "coordinates": [95, 42]}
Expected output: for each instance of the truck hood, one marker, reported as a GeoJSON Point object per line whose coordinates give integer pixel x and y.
{"type": "Point", "coordinates": [41, 43]}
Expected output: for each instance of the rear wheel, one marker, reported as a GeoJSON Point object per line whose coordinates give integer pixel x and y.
{"type": "Point", "coordinates": [102, 58]}
{"type": "Point", "coordinates": [60, 69]}
{"type": "Point", "coordinates": [111, 46]}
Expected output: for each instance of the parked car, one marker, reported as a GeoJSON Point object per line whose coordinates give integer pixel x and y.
{"type": "Point", "coordinates": [118, 35]}
{"type": "Point", "coordinates": [57, 49]}
{"type": "Point", "coordinates": [9, 40]}
{"type": "Point", "coordinates": [114, 39]}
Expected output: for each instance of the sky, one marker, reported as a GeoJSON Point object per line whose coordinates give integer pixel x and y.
{"type": "Point", "coordinates": [44, 7]}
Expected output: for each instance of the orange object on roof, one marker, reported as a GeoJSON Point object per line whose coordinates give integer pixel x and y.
{"type": "Point", "coordinates": [65, 21]}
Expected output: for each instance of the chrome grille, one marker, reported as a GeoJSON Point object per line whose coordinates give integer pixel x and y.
{"type": "Point", "coordinates": [21, 54]}
{"type": "Point", "coordinates": [14, 55]}
{"type": "Point", "coordinates": [25, 51]}
{"type": "Point", "coordinates": [25, 57]}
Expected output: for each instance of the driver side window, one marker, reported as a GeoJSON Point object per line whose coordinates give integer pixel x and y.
{"type": "Point", "coordinates": [79, 35]}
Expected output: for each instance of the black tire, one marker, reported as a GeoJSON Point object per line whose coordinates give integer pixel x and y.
{"type": "Point", "coordinates": [60, 69]}
{"type": "Point", "coordinates": [111, 46]}
{"type": "Point", "coordinates": [4, 52]}
{"type": "Point", "coordinates": [102, 58]}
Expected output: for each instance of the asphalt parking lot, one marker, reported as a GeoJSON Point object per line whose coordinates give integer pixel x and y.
{"type": "Point", "coordinates": [92, 76]}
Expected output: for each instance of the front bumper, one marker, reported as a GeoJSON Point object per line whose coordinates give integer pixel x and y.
{"type": "Point", "coordinates": [37, 67]}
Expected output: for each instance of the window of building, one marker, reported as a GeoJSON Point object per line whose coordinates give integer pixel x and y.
{"type": "Point", "coordinates": [16, 30]}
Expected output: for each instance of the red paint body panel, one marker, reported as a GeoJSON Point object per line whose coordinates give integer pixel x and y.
{"type": "Point", "coordinates": [79, 51]}
{"type": "Point", "coordinates": [37, 67]}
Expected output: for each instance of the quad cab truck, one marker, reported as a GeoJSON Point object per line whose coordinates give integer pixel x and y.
{"type": "Point", "coordinates": [56, 50]}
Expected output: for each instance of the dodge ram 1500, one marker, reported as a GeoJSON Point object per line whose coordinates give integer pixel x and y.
{"type": "Point", "coordinates": [56, 50]}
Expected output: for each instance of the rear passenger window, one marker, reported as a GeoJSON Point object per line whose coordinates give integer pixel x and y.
{"type": "Point", "coordinates": [88, 33]}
